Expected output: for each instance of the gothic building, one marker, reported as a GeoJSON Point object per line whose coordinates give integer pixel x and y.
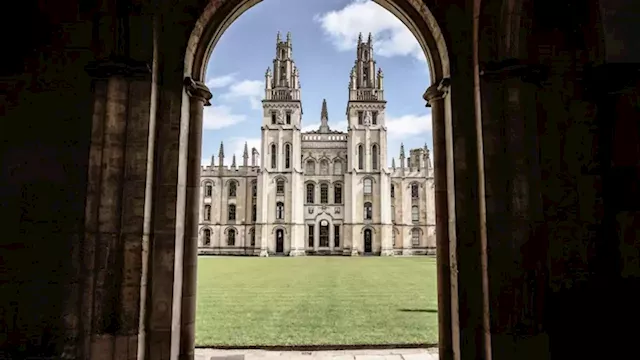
{"type": "Point", "coordinates": [323, 191]}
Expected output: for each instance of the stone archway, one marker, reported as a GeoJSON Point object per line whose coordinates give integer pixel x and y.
{"type": "Point", "coordinates": [218, 15]}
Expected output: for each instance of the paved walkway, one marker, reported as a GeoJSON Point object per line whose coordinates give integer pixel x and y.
{"type": "Point", "coordinates": [388, 354]}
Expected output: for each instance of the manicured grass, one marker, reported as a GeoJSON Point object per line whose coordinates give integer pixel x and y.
{"type": "Point", "coordinates": [246, 301]}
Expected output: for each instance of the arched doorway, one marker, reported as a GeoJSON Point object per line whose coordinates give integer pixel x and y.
{"type": "Point", "coordinates": [279, 241]}
{"type": "Point", "coordinates": [324, 234]}
{"type": "Point", "coordinates": [368, 242]}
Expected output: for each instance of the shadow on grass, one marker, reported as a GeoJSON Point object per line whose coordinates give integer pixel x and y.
{"type": "Point", "coordinates": [420, 310]}
{"type": "Point", "coordinates": [321, 347]}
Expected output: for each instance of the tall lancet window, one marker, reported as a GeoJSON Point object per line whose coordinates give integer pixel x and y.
{"type": "Point", "coordinates": [360, 157]}
{"type": "Point", "coordinates": [374, 157]}
{"type": "Point", "coordinates": [287, 156]}
{"type": "Point", "coordinates": [274, 156]}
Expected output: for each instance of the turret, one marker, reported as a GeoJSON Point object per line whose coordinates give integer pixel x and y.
{"type": "Point", "coordinates": [254, 157]}
{"type": "Point", "coordinates": [284, 83]}
{"type": "Point", "coordinates": [221, 155]}
{"type": "Point", "coordinates": [324, 117]}
{"type": "Point", "coordinates": [245, 156]}
{"type": "Point", "coordinates": [402, 163]}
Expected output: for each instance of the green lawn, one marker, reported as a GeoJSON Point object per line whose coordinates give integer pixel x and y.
{"type": "Point", "coordinates": [247, 301]}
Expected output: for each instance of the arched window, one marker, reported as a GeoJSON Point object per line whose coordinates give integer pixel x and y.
{"type": "Point", "coordinates": [274, 156]}
{"type": "Point", "coordinates": [231, 237]}
{"type": "Point", "coordinates": [287, 155]}
{"type": "Point", "coordinates": [280, 210]}
{"type": "Point", "coordinates": [360, 157]}
{"type": "Point", "coordinates": [415, 214]}
{"type": "Point", "coordinates": [324, 194]}
{"type": "Point", "coordinates": [393, 191]}
{"type": "Point", "coordinates": [415, 237]}
{"type": "Point", "coordinates": [311, 194]}
{"type": "Point", "coordinates": [368, 184]}
{"type": "Point", "coordinates": [207, 213]}
{"type": "Point", "coordinates": [254, 212]}
{"type": "Point", "coordinates": [288, 118]}
{"type": "Point", "coordinates": [311, 167]}
{"type": "Point", "coordinates": [393, 213]}
{"type": "Point", "coordinates": [337, 193]}
{"type": "Point", "coordinates": [280, 187]}
{"type": "Point", "coordinates": [254, 189]}
{"type": "Point", "coordinates": [368, 211]}
{"type": "Point", "coordinates": [208, 189]}
{"type": "Point", "coordinates": [206, 237]}
{"type": "Point", "coordinates": [374, 157]}
{"type": "Point", "coordinates": [415, 191]}
{"type": "Point", "coordinates": [232, 212]}
{"type": "Point", "coordinates": [233, 189]}
{"type": "Point", "coordinates": [337, 167]}
{"type": "Point", "coordinates": [324, 167]}
{"type": "Point", "coordinates": [252, 236]}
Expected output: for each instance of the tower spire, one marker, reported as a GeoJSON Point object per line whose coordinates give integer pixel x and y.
{"type": "Point", "coordinates": [324, 117]}
{"type": "Point", "coordinates": [245, 155]}
{"type": "Point", "coordinates": [221, 154]}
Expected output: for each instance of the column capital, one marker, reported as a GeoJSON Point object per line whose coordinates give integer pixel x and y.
{"type": "Point", "coordinates": [437, 91]}
{"type": "Point", "coordinates": [119, 66]}
{"type": "Point", "coordinates": [514, 68]}
{"type": "Point", "coordinates": [198, 90]}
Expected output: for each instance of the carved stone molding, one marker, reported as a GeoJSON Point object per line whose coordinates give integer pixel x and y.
{"type": "Point", "coordinates": [514, 68]}
{"type": "Point", "coordinates": [117, 66]}
{"type": "Point", "coordinates": [197, 89]}
{"type": "Point", "coordinates": [437, 91]}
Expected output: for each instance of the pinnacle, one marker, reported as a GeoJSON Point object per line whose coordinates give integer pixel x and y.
{"type": "Point", "coordinates": [221, 152]}
{"type": "Point", "coordinates": [246, 150]}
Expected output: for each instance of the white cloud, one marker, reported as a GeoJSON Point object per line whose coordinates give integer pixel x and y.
{"type": "Point", "coordinates": [408, 125]}
{"type": "Point", "coordinates": [253, 90]}
{"type": "Point", "coordinates": [220, 116]}
{"type": "Point", "coordinates": [390, 36]}
{"type": "Point", "coordinates": [221, 81]}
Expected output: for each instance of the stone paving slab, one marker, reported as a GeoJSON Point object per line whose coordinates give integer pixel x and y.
{"type": "Point", "coordinates": [378, 354]}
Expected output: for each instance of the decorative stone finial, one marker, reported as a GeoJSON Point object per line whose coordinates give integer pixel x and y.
{"type": "Point", "coordinates": [278, 37]}
{"type": "Point", "coordinates": [402, 150]}
{"type": "Point", "coordinates": [233, 161]}
{"type": "Point", "coordinates": [268, 72]}
{"type": "Point", "coordinates": [221, 152]}
{"type": "Point", "coordinates": [393, 163]}
{"type": "Point", "coordinates": [212, 160]}
{"type": "Point", "coordinates": [288, 36]}
{"type": "Point", "coordinates": [369, 40]}
{"type": "Point", "coordinates": [246, 150]}
{"type": "Point", "coordinates": [359, 38]}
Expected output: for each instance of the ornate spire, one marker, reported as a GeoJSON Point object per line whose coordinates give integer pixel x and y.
{"type": "Point", "coordinates": [233, 161]}
{"type": "Point", "coordinates": [402, 151]}
{"type": "Point", "coordinates": [212, 162]}
{"type": "Point", "coordinates": [221, 152]}
{"type": "Point", "coordinates": [359, 38]}
{"type": "Point", "coordinates": [393, 163]}
{"type": "Point", "coordinates": [278, 37]}
{"type": "Point", "coordinates": [369, 40]}
{"type": "Point", "coordinates": [288, 36]}
{"type": "Point", "coordinates": [324, 117]}
{"type": "Point", "coordinates": [246, 150]}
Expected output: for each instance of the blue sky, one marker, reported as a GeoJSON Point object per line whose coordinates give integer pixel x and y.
{"type": "Point", "coordinates": [324, 36]}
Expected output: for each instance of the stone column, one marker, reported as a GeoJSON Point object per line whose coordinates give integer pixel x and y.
{"type": "Point", "coordinates": [513, 210]}
{"type": "Point", "coordinates": [115, 216]}
{"type": "Point", "coordinates": [435, 99]}
{"type": "Point", "coordinates": [199, 96]}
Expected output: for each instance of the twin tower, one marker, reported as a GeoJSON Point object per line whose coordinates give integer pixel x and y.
{"type": "Point", "coordinates": [322, 191]}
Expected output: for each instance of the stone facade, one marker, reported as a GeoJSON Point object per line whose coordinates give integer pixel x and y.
{"type": "Point", "coordinates": [323, 191]}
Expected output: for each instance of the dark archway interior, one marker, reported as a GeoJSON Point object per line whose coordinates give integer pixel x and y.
{"type": "Point", "coordinates": [540, 176]}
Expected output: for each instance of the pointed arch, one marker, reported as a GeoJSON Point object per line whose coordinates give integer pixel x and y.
{"type": "Point", "coordinates": [274, 156]}
{"type": "Point", "coordinates": [287, 156]}
{"type": "Point", "coordinates": [375, 157]}
{"type": "Point", "coordinates": [360, 157]}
